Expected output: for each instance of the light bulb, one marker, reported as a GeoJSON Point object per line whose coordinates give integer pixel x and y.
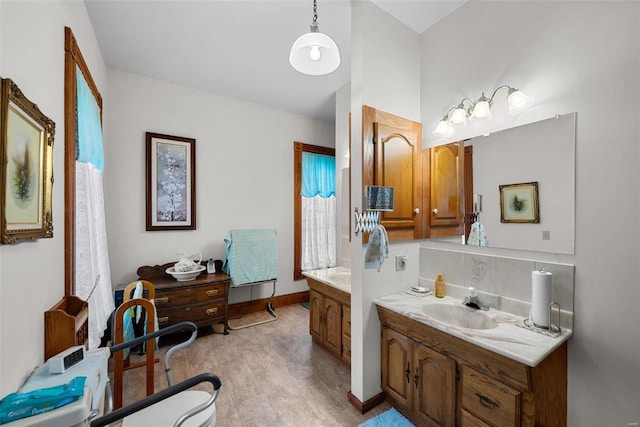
{"type": "Point", "coordinates": [459, 117]}
{"type": "Point", "coordinates": [442, 129]}
{"type": "Point", "coordinates": [314, 53]}
{"type": "Point", "coordinates": [518, 102]}
{"type": "Point", "coordinates": [482, 110]}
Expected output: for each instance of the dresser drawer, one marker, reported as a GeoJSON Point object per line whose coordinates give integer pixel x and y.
{"type": "Point", "coordinates": [200, 314]}
{"type": "Point", "coordinates": [190, 295]}
{"type": "Point", "coordinates": [489, 400]}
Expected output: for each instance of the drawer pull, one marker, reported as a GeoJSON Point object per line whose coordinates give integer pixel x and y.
{"type": "Point", "coordinates": [162, 320]}
{"type": "Point", "coordinates": [212, 293]}
{"type": "Point", "coordinates": [486, 402]}
{"type": "Point", "coordinates": [162, 300]}
{"type": "Point", "coordinates": [212, 311]}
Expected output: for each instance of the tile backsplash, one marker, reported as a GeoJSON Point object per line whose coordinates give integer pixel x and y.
{"type": "Point", "coordinates": [502, 283]}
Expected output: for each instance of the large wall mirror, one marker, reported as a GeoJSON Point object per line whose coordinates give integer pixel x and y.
{"type": "Point", "coordinates": [542, 152]}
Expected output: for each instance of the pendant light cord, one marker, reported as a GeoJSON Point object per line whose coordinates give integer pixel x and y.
{"type": "Point", "coordinates": [315, 11]}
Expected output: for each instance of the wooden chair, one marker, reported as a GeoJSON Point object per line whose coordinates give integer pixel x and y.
{"type": "Point", "coordinates": [122, 363]}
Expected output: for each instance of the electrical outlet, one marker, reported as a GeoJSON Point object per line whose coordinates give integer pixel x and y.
{"type": "Point", "coordinates": [546, 235]}
{"type": "Point", "coordinates": [401, 262]}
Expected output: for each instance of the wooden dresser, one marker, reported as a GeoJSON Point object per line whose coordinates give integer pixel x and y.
{"type": "Point", "coordinates": [203, 301]}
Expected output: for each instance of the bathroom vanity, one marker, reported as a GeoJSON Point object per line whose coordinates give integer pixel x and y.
{"type": "Point", "coordinates": [329, 310]}
{"type": "Point", "coordinates": [455, 366]}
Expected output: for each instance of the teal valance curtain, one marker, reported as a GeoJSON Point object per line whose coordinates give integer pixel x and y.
{"type": "Point", "coordinates": [89, 138]}
{"type": "Point", "coordinates": [318, 175]}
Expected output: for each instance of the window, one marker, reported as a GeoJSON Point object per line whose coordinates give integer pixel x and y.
{"type": "Point", "coordinates": [314, 219]}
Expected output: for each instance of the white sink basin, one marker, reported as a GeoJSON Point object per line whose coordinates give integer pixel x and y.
{"type": "Point", "coordinates": [459, 315]}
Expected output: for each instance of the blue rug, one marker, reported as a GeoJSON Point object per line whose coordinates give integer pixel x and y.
{"type": "Point", "coordinates": [305, 304]}
{"type": "Point", "coordinates": [390, 418]}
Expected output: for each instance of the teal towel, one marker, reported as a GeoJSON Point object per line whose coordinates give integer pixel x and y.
{"type": "Point", "coordinates": [251, 256]}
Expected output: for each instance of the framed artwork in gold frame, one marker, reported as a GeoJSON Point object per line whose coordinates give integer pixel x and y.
{"type": "Point", "coordinates": [519, 203]}
{"type": "Point", "coordinates": [26, 172]}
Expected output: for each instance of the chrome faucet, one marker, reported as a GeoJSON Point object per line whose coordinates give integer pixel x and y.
{"type": "Point", "coordinates": [471, 300]}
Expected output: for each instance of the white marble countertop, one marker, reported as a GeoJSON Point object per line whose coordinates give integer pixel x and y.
{"type": "Point", "coordinates": [338, 277]}
{"type": "Point", "coordinates": [508, 339]}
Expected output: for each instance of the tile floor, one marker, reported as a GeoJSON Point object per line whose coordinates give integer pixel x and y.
{"type": "Point", "coordinates": [272, 375]}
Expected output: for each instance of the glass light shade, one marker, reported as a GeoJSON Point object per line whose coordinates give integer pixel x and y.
{"type": "Point", "coordinates": [482, 110]}
{"type": "Point", "coordinates": [443, 129]}
{"type": "Point", "coordinates": [307, 47]}
{"type": "Point", "coordinates": [459, 117]}
{"type": "Point", "coordinates": [518, 102]}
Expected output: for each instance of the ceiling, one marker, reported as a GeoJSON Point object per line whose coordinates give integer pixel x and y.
{"type": "Point", "coordinates": [240, 48]}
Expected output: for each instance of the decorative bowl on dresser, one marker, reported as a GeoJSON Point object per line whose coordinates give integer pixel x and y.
{"type": "Point", "coordinates": [203, 300]}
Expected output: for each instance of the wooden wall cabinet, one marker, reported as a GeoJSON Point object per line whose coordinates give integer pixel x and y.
{"type": "Point", "coordinates": [436, 379]}
{"type": "Point", "coordinates": [392, 148]}
{"type": "Point", "coordinates": [330, 319]}
{"type": "Point", "coordinates": [444, 198]}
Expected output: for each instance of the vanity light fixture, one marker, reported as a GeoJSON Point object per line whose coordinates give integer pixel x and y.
{"type": "Point", "coordinates": [481, 109]}
{"type": "Point", "coordinates": [314, 53]}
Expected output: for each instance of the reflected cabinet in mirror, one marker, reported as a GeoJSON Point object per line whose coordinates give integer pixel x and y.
{"type": "Point", "coordinates": [505, 167]}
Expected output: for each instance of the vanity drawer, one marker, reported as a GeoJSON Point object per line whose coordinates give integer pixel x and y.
{"type": "Point", "coordinates": [346, 321]}
{"type": "Point", "coordinates": [189, 295]}
{"type": "Point", "coordinates": [490, 401]}
{"type": "Point", "coordinates": [200, 314]}
{"type": "Point", "coordinates": [468, 420]}
{"type": "Point", "coordinates": [346, 349]}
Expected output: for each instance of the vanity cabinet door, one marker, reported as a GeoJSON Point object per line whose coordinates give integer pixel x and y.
{"type": "Point", "coordinates": [315, 315]}
{"type": "Point", "coordinates": [396, 367]}
{"type": "Point", "coordinates": [333, 326]}
{"type": "Point", "coordinates": [325, 322]}
{"type": "Point", "coordinates": [434, 378]}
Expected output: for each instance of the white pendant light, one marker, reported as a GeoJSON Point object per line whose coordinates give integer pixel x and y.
{"type": "Point", "coordinates": [314, 53]}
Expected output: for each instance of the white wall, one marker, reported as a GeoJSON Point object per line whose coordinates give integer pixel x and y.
{"type": "Point", "coordinates": [385, 75]}
{"type": "Point", "coordinates": [569, 56]}
{"type": "Point", "coordinates": [32, 273]}
{"type": "Point", "coordinates": [244, 174]}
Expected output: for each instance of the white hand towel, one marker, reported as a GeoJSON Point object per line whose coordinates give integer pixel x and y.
{"type": "Point", "coordinates": [377, 248]}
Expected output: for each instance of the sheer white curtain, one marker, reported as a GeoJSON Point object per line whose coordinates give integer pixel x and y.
{"type": "Point", "coordinates": [318, 232]}
{"type": "Point", "coordinates": [318, 195]}
{"type": "Point", "coordinates": [92, 275]}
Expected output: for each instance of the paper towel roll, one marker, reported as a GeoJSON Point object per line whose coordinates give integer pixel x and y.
{"type": "Point", "coordinates": [540, 297]}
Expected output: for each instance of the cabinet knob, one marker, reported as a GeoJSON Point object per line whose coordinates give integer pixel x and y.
{"type": "Point", "coordinates": [435, 211]}
{"type": "Point", "coordinates": [162, 320]}
{"type": "Point", "coordinates": [212, 293]}
{"type": "Point", "coordinates": [416, 211]}
{"type": "Point", "coordinates": [212, 311]}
